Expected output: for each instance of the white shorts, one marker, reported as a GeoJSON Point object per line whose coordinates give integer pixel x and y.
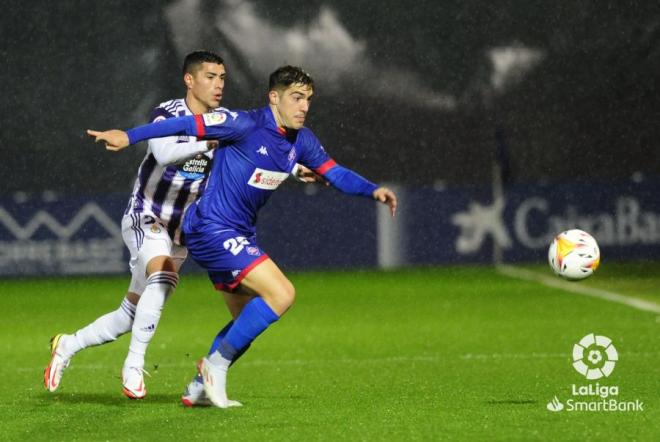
{"type": "Point", "coordinates": [146, 237]}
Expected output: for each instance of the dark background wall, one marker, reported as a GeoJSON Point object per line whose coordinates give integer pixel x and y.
{"type": "Point", "coordinates": [413, 92]}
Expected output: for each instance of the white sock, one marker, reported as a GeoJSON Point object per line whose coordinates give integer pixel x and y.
{"type": "Point", "coordinates": [216, 359]}
{"type": "Point", "coordinates": [215, 383]}
{"type": "Point", "coordinates": [159, 287]}
{"type": "Point", "coordinates": [107, 328]}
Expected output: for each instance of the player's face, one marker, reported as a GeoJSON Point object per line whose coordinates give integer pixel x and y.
{"type": "Point", "coordinates": [205, 86]}
{"type": "Point", "coordinates": [292, 105]}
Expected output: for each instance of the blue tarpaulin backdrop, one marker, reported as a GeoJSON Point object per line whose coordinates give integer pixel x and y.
{"type": "Point", "coordinates": [324, 229]}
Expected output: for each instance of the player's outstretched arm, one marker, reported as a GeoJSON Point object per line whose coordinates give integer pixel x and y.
{"type": "Point", "coordinates": [351, 183]}
{"type": "Point", "coordinates": [168, 152]}
{"type": "Point", "coordinates": [118, 139]}
{"type": "Point", "coordinates": [386, 196]}
{"type": "Point", "coordinates": [114, 139]}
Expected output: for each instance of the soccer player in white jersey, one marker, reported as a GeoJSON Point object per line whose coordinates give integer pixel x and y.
{"type": "Point", "coordinates": [172, 175]}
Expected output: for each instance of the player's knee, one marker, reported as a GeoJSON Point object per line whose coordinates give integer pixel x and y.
{"type": "Point", "coordinates": [133, 298]}
{"type": "Point", "coordinates": [282, 297]}
{"type": "Point", "coordinates": [160, 264]}
{"type": "Point", "coordinates": [289, 293]}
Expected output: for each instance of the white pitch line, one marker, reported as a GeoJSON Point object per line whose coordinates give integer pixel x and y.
{"type": "Point", "coordinates": [268, 362]}
{"type": "Point", "coordinates": [640, 304]}
{"type": "Point", "coordinates": [491, 356]}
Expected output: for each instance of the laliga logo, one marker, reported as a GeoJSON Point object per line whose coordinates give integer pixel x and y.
{"type": "Point", "coordinates": [594, 356]}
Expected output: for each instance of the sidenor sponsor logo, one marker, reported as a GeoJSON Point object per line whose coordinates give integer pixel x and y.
{"type": "Point", "coordinates": [267, 179]}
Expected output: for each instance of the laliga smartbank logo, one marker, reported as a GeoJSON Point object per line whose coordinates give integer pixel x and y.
{"type": "Point", "coordinates": [594, 357]}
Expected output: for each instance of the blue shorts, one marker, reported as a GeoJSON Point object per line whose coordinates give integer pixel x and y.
{"type": "Point", "coordinates": [227, 255]}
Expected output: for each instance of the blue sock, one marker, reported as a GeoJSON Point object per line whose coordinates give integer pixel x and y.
{"type": "Point", "coordinates": [216, 343]}
{"type": "Point", "coordinates": [220, 336]}
{"type": "Point", "coordinates": [253, 320]}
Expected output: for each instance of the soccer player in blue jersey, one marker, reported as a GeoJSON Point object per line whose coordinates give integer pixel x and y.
{"type": "Point", "coordinates": [258, 151]}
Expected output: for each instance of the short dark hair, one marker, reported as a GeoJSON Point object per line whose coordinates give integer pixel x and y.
{"type": "Point", "coordinates": [194, 60]}
{"type": "Point", "coordinates": [285, 76]}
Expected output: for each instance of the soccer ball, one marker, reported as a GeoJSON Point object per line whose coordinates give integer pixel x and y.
{"type": "Point", "coordinates": [574, 255]}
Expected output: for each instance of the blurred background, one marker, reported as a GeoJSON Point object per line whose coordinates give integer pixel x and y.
{"type": "Point", "coordinates": [499, 124]}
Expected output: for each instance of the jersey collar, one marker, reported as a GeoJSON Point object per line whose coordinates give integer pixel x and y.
{"type": "Point", "coordinates": [282, 131]}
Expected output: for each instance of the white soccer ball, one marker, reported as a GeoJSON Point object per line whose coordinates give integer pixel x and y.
{"type": "Point", "coordinates": [574, 255]}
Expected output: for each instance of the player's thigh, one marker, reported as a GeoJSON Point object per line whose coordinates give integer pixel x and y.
{"type": "Point", "coordinates": [168, 263]}
{"type": "Point", "coordinates": [235, 260]}
{"type": "Point", "coordinates": [226, 254]}
{"type": "Point", "coordinates": [147, 239]}
{"type": "Point", "coordinates": [270, 283]}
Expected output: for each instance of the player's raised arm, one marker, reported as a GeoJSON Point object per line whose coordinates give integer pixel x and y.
{"type": "Point", "coordinates": [118, 139]}
{"type": "Point", "coordinates": [172, 150]}
{"type": "Point", "coordinates": [225, 125]}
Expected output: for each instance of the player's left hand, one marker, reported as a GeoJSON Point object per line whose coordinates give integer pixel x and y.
{"type": "Point", "coordinates": [386, 196]}
{"type": "Point", "coordinates": [114, 139]}
{"type": "Point", "coordinates": [308, 176]}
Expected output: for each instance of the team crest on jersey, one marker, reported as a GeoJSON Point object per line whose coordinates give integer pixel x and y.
{"type": "Point", "coordinates": [214, 118]}
{"type": "Point", "coordinates": [155, 228]}
{"type": "Point", "coordinates": [251, 250]}
{"type": "Point", "coordinates": [292, 154]}
{"type": "Point", "coordinates": [196, 168]}
{"type": "Point", "coordinates": [267, 179]}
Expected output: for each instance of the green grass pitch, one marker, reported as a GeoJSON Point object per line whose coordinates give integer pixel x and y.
{"type": "Point", "coordinates": [456, 353]}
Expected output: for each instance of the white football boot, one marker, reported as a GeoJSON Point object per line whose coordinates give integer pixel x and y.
{"type": "Point", "coordinates": [194, 394]}
{"type": "Point", "coordinates": [215, 380]}
{"type": "Point", "coordinates": [133, 382]}
{"type": "Point", "coordinates": [53, 373]}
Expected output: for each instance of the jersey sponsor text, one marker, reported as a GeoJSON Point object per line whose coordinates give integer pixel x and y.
{"type": "Point", "coordinates": [267, 179]}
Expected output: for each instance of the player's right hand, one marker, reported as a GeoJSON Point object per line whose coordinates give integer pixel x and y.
{"type": "Point", "coordinates": [386, 196]}
{"type": "Point", "coordinates": [114, 139]}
